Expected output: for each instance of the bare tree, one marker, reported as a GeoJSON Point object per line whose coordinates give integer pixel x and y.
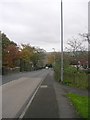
{"type": "Point", "coordinates": [75, 46]}
{"type": "Point", "coordinates": [78, 50]}
{"type": "Point", "coordinates": [86, 37]}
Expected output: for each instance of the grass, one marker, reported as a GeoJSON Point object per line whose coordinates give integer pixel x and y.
{"type": "Point", "coordinates": [81, 104]}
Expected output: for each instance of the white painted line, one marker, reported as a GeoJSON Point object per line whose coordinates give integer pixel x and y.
{"type": "Point", "coordinates": [27, 106]}
{"type": "Point", "coordinates": [43, 86]}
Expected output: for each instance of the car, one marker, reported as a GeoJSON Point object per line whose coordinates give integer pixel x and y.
{"type": "Point", "coordinates": [46, 67]}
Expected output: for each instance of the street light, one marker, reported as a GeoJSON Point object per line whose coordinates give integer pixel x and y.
{"type": "Point", "coordinates": [89, 49]}
{"type": "Point", "coordinates": [54, 55]}
{"type": "Point", "coordinates": [61, 41]}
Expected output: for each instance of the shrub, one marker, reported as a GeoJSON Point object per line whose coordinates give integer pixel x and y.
{"type": "Point", "coordinates": [72, 77]}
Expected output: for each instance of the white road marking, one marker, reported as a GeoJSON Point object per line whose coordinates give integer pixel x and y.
{"type": "Point", "coordinates": [29, 103]}
{"type": "Point", "coordinates": [43, 86]}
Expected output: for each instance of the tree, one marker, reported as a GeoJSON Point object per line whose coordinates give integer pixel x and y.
{"type": "Point", "coordinates": [26, 52]}
{"type": "Point", "coordinates": [75, 45]}
{"type": "Point", "coordinates": [86, 37]}
{"type": "Point", "coordinates": [38, 57]}
{"type": "Point", "coordinates": [6, 41]}
{"type": "Point", "coordinates": [10, 52]}
{"type": "Point", "coordinates": [32, 55]}
{"type": "Point", "coordinates": [0, 52]}
{"type": "Point", "coordinates": [12, 55]}
{"type": "Point", "coordinates": [78, 50]}
{"type": "Point", "coordinates": [51, 58]}
{"type": "Point", "coordinates": [0, 46]}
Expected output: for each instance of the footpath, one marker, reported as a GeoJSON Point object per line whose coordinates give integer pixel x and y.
{"type": "Point", "coordinates": [66, 109]}
{"type": "Point", "coordinates": [51, 102]}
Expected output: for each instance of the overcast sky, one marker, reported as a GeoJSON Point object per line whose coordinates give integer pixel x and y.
{"type": "Point", "coordinates": [37, 22]}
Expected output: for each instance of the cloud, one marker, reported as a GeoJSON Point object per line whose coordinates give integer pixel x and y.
{"type": "Point", "coordinates": [38, 21]}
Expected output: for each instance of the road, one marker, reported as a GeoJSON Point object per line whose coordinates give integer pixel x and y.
{"type": "Point", "coordinates": [11, 77]}
{"type": "Point", "coordinates": [17, 90]}
{"type": "Point", "coordinates": [35, 95]}
{"type": "Point", "coordinates": [50, 101]}
{"type": "Point", "coordinates": [44, 104]}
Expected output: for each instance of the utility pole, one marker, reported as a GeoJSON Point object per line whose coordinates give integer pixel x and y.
{"type": "Point", "coordinates": [61, 41]}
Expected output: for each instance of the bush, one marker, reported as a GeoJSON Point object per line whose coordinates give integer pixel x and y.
{"type": "Point", "coordinates": [7, 70]}
{"type": "Point", "coordinates": [72, 77]}
{"type": "Point", "coordinates": [76, 78]}
{"type": "Point", "coordinates": [57, 71]}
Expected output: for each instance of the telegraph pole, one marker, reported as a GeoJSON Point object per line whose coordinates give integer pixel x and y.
{"type": "Point", "coordinates": [61, 41]}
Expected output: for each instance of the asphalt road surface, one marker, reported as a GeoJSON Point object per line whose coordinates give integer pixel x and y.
{"type": "Point", "coordinates": [44, 104]}
{"type": "Point", "coordinates": [16, 76]}
{"type": "Point", "coordinates": [18, 90]}
{"type": "Point", "coordinates": [50, 101]}
{"type": "Point", "coordinates": [35, 95]}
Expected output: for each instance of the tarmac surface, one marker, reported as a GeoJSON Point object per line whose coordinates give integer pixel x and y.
{"type": "Point", "coordinates": [50, 101]}
{"type": "Point", "coordinates": [17, 93]}
{"type": "Point", "coordinates": [38, 95]}
{"type": "Point", "coordinates": [44, 105]}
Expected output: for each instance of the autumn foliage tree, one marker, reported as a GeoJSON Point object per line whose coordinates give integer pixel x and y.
{"type": "Point", "coordinates": [26, 52]}
{"type": "Point", "coordinates": [32, 55]}
{"type": "Point", "coordinates": [12, 55]}
{"type": "Point", "coordinates": [51, 58]}
{"type": "Point", "coordinates": [10, 52]}
{"type": "Point", "coordinates": [26, 57]}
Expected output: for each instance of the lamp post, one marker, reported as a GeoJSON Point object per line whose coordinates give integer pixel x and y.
{"type": "Point", "coordinates": [54, 55]}
{"type": "Point", "coordinates": [89, 34]}
{"type": "Point", "coordinates": [61, 41]}
{"type": "Point", "coordinates": [89, 50]}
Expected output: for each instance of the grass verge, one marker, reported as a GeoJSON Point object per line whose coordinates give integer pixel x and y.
{"type": "Point", "coordinates": [81, 104]}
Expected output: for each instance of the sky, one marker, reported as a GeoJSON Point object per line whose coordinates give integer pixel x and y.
{"type": "Point", "coordinates": [38, 22]}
